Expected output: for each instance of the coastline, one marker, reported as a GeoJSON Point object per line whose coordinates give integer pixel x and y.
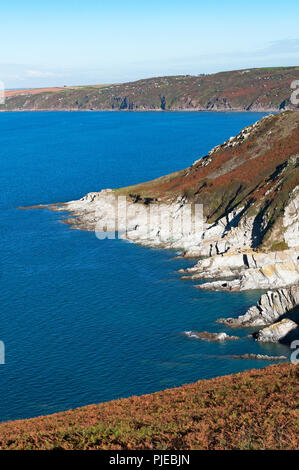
{"type": "Point", "coordinates": [219, 110]}
{"type": "Point", "coordinates": [225, 248]}
{"type": "Point", "coordinates": [82, 211]}
{"type": "Point", "coordinates": [255, 89]}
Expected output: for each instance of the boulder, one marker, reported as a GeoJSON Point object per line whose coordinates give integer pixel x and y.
{"type": "Point", "coordinates": [276, 332]}
{"type": "Point", "coordinates": [270, 308]}
{"type": "Point", "coordinates": [211, 336]}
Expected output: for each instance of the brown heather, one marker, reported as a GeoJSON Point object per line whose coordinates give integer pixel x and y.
{"type": "Point", "coordinates": [258, 174]}
{"type": "Point", "coordinates": [259, 89]}
{"type": "Point", "coordinates": [256, 409]}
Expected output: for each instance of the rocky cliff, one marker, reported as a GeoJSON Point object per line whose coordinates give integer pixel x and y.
{"type": "Point", "coordinates": [247, 195]}
{"type": "Point", "coordinates": [276, 315]}
{"type": "Point", "coordinates": [272, 306]}
{"type": "Point", "coordinates": [235, 209]}
{"type": "Point", "coordinates": [249, 90]}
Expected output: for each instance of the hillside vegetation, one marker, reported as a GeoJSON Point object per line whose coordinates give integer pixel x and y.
{"type": "Point", "coordinates": [250, 89]}
{"type": "Point", "coordinates": [257, 409]}
{"type": "Point", "coordinates": [257, 172]}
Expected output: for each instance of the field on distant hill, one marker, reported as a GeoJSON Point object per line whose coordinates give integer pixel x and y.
{"type": "Point", "coordinates": [256, 409]}
{"type": "Point", "coordinates": [261, 89]}
{"type": "Point", "coordinates": [35, 91]}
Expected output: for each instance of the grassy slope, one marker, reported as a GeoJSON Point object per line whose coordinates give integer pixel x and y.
{"type": "Point", "coordinates": [265, 88]}
{"type": "Point", "coordinates": [258, 174]}
{"type": "Point", "coordinates": [256, 409]}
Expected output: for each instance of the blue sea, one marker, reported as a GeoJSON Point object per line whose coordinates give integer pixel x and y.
{"type": "Point", "coordinates": [83, 320]}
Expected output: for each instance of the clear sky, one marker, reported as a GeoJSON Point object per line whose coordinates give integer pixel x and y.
{"type": "Point", "coordinates": [67, 42]}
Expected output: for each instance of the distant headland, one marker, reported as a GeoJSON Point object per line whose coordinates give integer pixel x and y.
{"type": "Point", "coordinates": [259, 89]}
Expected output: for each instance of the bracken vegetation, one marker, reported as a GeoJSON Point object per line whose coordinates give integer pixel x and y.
{"type": "Point", "coordinates": [256, 171]}
{"type": "Point", "coordinates": [256, 409]}
{"type": "Point", "coordinates": [251, 89]}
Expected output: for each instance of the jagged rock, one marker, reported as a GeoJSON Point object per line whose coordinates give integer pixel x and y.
{"type": "Point", "coordinates": [276, 332]}
{"type": "Point", "coordinates": [211, 336]}
{"type": "Point", "coordinates": [291, 219]}
{"type": "Point", "coordinates": [249, 269]}
{"type": "Point", "coordinates": [281, 274]}
{"type": "Point", "coordinates": [239, 206]}
{"type": "Point", "coordinates": [215, 267]}
{"type": "Point", "coordinates": [102, 212]}
{"type": "Point", "coordinates": [269, 308]}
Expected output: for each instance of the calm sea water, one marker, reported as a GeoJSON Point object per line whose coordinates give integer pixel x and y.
{"type": "Point", "coordinates": [83, 320]}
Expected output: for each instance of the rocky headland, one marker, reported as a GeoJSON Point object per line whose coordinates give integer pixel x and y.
{"type": "Point", "coordinates": [259, 89]}
{"type": "Point", "coordinates": [236, 210]}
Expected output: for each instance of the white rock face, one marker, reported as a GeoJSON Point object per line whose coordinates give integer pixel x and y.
{"type": "Point", "coordinates": [291, 220]}
{"type": "Point", "coordinates": [228, 234]}
{"type": "Point", "coordinates": [270, 276]}
{"type": "Point", "coordinates": [98, 210]}
{"type": "Point", "coordinates": [226, 248]}
{"type": "Point", "coordinates": [270, 308]}
{"type": "Point", "coordinates": [227, 244]}
{"type": "Point", "coordinates": [174, 225]}
{"type": "Point", "coordinates": [216, 266]}
{"type": "Point", "coordinates": [276, 332]}
{"type": "Point", "coordinates": [250, 270]}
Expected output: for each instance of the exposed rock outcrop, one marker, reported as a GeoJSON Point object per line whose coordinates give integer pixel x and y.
{"type": "Point", "coordinates": [250, 270]}
{"type": "Point", "coordinates": [211, 336]}
{"type": "Point", "coordinates": [237, 206]}
{"type": "Point", "coordinates": [236, 209]}
{"type": "Point", "coordinates": [291, 219]}
{"type": "Point", "coordinates": [277, 332]}
{"type": "Point", "coordinates": [242, 90]}
{"type": "Point", "coordinates": [269, 309]}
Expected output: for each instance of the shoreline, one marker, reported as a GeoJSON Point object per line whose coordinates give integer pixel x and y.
{"type": "Point", "coordinates": [264, 89]}
{"type": "Point", "coordinates": [283, 297]}
{"type": "Point", "coordinates": [219, 258]}
{"type": "Point", "coordinates": [225, 248]}
{"type": "Point", "coordinates": [227, 258]}
{"type": "Point", "coordinates": [184, 110]}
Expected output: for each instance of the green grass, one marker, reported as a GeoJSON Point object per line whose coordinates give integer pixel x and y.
{"type": "Point", "coordinates": [279, 246]}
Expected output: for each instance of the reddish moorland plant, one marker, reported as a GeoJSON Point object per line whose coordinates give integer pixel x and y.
{"type": "Point", "coordinates": [256, 409]}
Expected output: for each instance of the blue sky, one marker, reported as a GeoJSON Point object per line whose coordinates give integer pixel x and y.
{"type": "Point", "coordinates": [49, 43]}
